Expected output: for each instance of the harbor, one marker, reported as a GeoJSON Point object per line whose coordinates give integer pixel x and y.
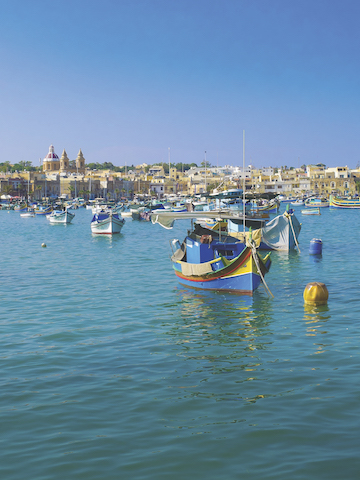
{"type": "Point", "coordinates": [110, 367]}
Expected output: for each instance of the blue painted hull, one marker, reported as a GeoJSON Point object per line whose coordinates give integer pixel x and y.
{"type": "Point", "coordinates": [245, 283]}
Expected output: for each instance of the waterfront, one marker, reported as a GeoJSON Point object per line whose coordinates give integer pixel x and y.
{"type": "Point", "coordinates": [111, 369]}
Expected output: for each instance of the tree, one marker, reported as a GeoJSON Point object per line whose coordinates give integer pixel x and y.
{"type": "Point", "coordinates": [6, 190]}
{"type": "Point", "coordinates": [71, 188]}
{"type": "Point", "coordinates": [117, 191]}
{"type": "Point", "coordinates": [39, 188]}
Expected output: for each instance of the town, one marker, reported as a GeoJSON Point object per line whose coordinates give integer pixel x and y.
{"type": "Point", "coordinates": [59, 177]}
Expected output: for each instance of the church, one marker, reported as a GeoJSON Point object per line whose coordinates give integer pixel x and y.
{"type": "Point", "coordinates": [53, 164]}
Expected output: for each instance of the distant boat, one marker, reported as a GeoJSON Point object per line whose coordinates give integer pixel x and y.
{"type": "Point", "coordinates": [60, 217]}
{"type": "Point", "coordinates": [43, 210]}
{"type": "Point", "coordinates": [336, 202]}
{"type": "Point", "coordinates": [23, 207]}
{"type": "Point", "coordinates": [29, 213]}
{"type": "Point", "coordinates": [316, 202]}
{"type": "Point", "coordinates": [106, 223]}
{"type": "Point", "coordinates": [311, 211]}
{"type": "Point", "coordinates": [298, 202]}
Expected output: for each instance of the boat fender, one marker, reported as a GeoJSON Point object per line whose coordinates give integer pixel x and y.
{"type": "Point", "coordinates": [206, 239]}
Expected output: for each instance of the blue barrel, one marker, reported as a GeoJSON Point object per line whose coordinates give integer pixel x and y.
{"type": "Point", "coordinates": [315, 246]}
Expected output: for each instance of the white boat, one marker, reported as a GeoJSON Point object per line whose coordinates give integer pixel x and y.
{"type": "Point", "coordinates": [28, 214]}
{"type": "Point", "coordinates": [62, 217]}
{"type": "Point", "coordinates": [311, 211]}
{"type": "Point", "coordinates": [106, 223]}
{"type": "Point", "coordinates": [297, 202]}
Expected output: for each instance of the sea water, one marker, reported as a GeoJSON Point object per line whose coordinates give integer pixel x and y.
{"type": "Point", "coordinates": [110, 369]}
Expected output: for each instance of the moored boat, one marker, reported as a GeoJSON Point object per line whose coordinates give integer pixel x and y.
{"type": "Point", "coordinates": [319, 202]}
{"type": "Point", "coordinates": [29, 213]}
{"type": "Point", "coordinates": [336, 202]}
{"type": "Point", "coordinates": [43, 209]}
{"type": "Point", "coordinates": [106, 223]}
{"type": "Point", "coordinates": [311, 211]}
{"type": "Point", "coordinates": [60, 217]}
{"type": "Point", "coordinates": [206, 262]}
{"type": "Point", "coordinates": [210, 260]}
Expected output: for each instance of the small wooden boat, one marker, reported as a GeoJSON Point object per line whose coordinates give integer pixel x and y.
{"type": "Point", "coordinates": [60, 217]}
{"type": "Point", "coordinates": [210, 260]}
{"type": "Point", "coordinates": [43, 210]}
{"type": "Point", "coordinates": [106, 223]}
{"type": "Point", "coordinates": [316, 202]}
{"type": "Point", "coordinates": [336, 202]}
{"type": "Point", "coordinates": [205, 262]}
{"type": "Point", "coordinates": [311, 211]}
{"type": "Point", "coordinates": [29, 213]}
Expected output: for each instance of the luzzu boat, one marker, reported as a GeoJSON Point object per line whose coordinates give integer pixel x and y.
{"type": "Point", "coordinates": [336, 202]}
{"type": "Point", "coordinates": [106, 223]}
{"type": "Point", "coordinates": [205, 262]}
{"type": "Point", "coordinates": [211, 261]}
{"type": "Point", "coordinates": [21, 208]}
{"type": "Point", "coordinates": [43, 210]}
{"type": "Point", "coordinates": [316, 202]}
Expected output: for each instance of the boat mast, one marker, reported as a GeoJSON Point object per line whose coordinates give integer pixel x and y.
{"type": "Point", "coordinates": [244, 181]}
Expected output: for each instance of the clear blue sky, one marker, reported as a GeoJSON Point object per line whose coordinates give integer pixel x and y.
{"type": "Point", "coordinates": [124, 80]}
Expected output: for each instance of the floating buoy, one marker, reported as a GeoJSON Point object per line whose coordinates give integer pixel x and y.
{"type": "Point", "coordinates": [315, 246]}
{"type": "Point", "coordinates": [316, 293]}
{"type": "Point", "coordinates": [43, 245]}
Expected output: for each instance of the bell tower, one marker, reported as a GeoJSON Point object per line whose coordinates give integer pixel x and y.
{"type": "Point", "coordinates": [80, 162]}
{"type": "Point", "coordinates": [64, 162]}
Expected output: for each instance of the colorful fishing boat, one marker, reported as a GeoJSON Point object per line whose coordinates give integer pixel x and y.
{"type": "Point", "coordinates": [336, 202]}
{"type": "Point", "coordinates": [206, 262]}
{"type": "Point", "coordinates": [214, 261]}
{"type": "Point", "coordinates": [106, 223]}
{"type": "Point", "coordinates": [270, 208]}
{"type": "Point", "coordinates": [23, 207]}
{"type": "Point", "coordinates": [43, 209]}
{"type": "Point", "coordinates": [318, 202]}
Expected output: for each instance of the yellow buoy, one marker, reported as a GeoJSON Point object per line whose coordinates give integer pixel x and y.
{"type": "Point", "coordinates": [43, 245]}
{"type": "Point", "coordinates": [316, 293]}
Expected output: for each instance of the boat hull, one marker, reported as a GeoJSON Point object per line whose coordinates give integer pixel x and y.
{"type": "Point", "coordinates": [239, 275]}
{"type": "Point", "coordinates": [61, 218]}
{"type": "Point", "coordinates": [108, 226]}
{"type": "Point", "coordinates": [341, 203]}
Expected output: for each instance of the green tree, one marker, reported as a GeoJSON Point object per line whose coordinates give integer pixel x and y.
{"type": "Point", "coordinates": [39, 188]}
{"type": "Point", "coordinates": [71, 189]}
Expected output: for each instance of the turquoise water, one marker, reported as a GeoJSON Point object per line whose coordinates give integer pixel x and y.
{"type": "Point", "coordinates": [110, 369]}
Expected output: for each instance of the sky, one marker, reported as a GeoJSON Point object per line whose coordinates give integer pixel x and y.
{"type": "Point", "coordinates": [147, 81]}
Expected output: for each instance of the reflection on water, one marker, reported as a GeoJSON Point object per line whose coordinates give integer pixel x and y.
{"type": "Point", "coordinates": [106, 239]}
{"type": "Point", "coordinates": [219, 338]}
{"type": "Point", "coordinates": [315, 317]}
{"type": "Point", "coordinates": [221, 327]}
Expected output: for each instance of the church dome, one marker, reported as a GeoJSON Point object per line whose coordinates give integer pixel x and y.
{"type": "Point", "coordinates": [51, 155]}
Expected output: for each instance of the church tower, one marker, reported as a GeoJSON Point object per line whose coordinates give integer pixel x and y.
{"type": "Point", "coordinates": [80, 162]}
{"type": "Point", "coordinates": [64, 162]}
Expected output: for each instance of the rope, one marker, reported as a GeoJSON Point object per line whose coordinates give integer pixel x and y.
{"type": "Point", "coordinates": [257, 263]}
{"type": "Point", "coordinates": [293, 231]}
